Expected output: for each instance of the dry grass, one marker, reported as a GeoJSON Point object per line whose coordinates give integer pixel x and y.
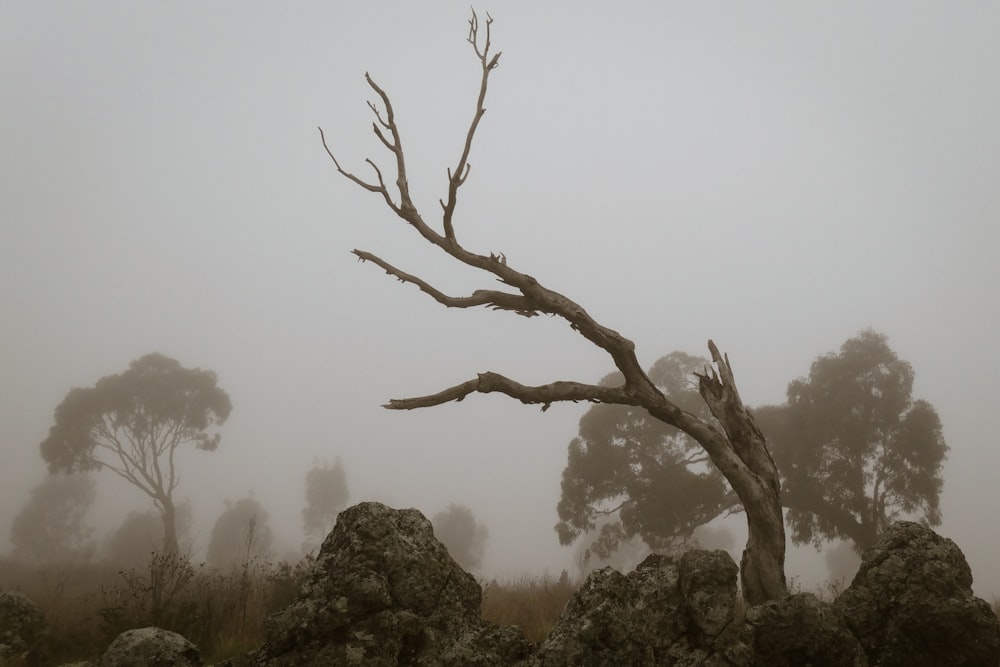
{"type": "Point", "coordinates": [88, 605]}
{"type": "Point", "coordinates": [530, 603]}
{"type": "Point", "coordinates": [222, 612]}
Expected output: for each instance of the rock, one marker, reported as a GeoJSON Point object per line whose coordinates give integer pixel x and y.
{"type": "Point", "coordinates": [668, 611]}
{"type": "Point", "coordinates": [800, 630]}
{"type": "Point", "coordinates": [384, 591]}
{"type": "Point", "coordinates": [22, 626]}
{"type": "Point", "coordinates": [911, 603]}
{"type": "Point", "coordinates": [150, 647]}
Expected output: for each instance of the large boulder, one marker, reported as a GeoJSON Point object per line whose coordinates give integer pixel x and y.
{"type": "Point", "coordinates": [150, 647]}
{"type": "Point", "coordinates": [911, 603]}
{"type": "Point", "coordinates": [22, 626]}
{"type": "Point", "coordinates": [384, 591]}
{"type": "Point", "coordinates": [798, 630]}
{"type": "Point", "coordinates": [669, 611]}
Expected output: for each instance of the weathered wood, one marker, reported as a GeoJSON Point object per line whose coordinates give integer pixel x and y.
{"type": "Point", "coordinates": [738, 450]}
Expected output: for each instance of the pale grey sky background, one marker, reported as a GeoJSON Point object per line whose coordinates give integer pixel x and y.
{"type": "Point", "coordinates": [773, 175]}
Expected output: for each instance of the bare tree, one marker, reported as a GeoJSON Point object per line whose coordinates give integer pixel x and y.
{"type": "Point", "coordinates": [732, 440]}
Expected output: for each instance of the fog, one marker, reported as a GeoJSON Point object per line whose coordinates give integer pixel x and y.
{"type": "Point", "coordinates": [774, 176]}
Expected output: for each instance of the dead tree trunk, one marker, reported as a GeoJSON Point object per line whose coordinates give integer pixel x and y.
{"type": "Point", "coordinates": [734, 444]}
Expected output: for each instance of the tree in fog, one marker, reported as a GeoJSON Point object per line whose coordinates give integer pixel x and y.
{"type": "Point", "coordinates": [51, 526]}
{"type": "Point", "coordinates": [326, 495]}
{"type": "Point", "coordinates": [133, 424]}
{"type": "Point", "coordinates": [629, 475]}
{"type": "Point", "coordinates": [856, 451]}
{"type": "Point", "coordinates": [241, 533]}
{"type": "Point", "coordinates": [731, 439]}
{"type": "Point", "coordinates": [612, 548]}
{"type": "Point", "coordinates": [141, 534]}
{"type": "Point", "coordinates": [465, 538]}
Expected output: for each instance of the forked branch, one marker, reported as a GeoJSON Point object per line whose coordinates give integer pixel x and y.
{"type": "Point", "coordinates": [457, 176]}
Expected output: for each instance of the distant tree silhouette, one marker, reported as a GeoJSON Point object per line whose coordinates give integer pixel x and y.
{"type": "Point", "coordinates": [133, 423]}
{"type": "Point", "coordinates": [51, 527]}
{"type": "Point", "coordinates": [628, 474]}
{"type": "Point", "coordinates": [140, 535]}
{"type": "Point", "coordinates": [326, 495]}
{"type": "Point", "coordinates": [241, 533]}
{"type": "Point", "coordinates": [465, 538]}
{"type": "Point", "coordinates": [855, 450]}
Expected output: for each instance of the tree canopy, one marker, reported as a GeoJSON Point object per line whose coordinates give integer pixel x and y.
{"type": "Point", "coordinates": [241, 533]}
{"type": "Point", "coordinates": [326, 495]}
{"type": "Point", "coordinates": [140, 534]}
{"type": "Point", "coordinates": [133, 423]}
{"type": "Point", "coordinates": [853, 448]}
{"type": "Point", "coordinates": [51, 526]}
{"type": "Point", "coordinates": [654, 478]}
{"type": "Point", "coordinates": [464, 537]}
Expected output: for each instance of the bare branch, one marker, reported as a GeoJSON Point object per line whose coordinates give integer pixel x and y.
{"type": "Point", "coordinates": [396, 146]}
{"type": "Point", "coordinates": [457, 176]}
{"type": "Point", "coordinates": [346, 174]}
{"type": "Point", "coordinates": [494, 299]}
{"type": "Point", "coordinates": [545, 394]}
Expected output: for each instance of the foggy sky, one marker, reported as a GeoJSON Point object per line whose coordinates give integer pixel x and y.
{"type": "Point", "coordinates": [775, 176]}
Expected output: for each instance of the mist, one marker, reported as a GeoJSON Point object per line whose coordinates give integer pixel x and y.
{"type": "Point", "coordinates": [776, 178]}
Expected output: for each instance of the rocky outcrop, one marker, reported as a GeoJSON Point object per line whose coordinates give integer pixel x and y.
{"type": "Point", "coordinates": [385, 592]}
{"type": "Point", "coordinates": [150, 647]}
{"type": "Point", "coordinates": [798, 630]}
{"type": "Point", "coordinates": [22, 625]}
{"type": "Point", "coordinates": [911, 603]}
{"type": "Point", "coordinates": [668, 611]}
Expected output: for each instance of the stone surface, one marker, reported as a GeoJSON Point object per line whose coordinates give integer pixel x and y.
{"type": "Point", "coordinates": [799, 630]}
{"type": "Point", "coordinates": [667, 612]}
{"type": "Point", "coordinates": [385, 592]}
{"type": "Point", "coordinates": [150, 647]}
{"type": "Point", "coordinates": [911, 603]}
{"type": "Point", "coordinates": [21, 626]}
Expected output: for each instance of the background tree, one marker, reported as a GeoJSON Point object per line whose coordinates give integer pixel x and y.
{"type": "Point", "coordinates": [141, 534]}
{"type": "Point", "coordinates": [732, 440]}
{"type": "Point", "coordinates": [855, 450]}
{"type": "Point", "coordinates": [51, 527]}
{"type": "Point", "coordinates": [241, 533]}
{"type": "Point", "coordinates": [465, 538]}
{"type": "Point", "coordinates": [653, 479]}
{"type": "Point", "coordinates": [326, 495]}
{"type": "Point", "coordinates": [133, 423]}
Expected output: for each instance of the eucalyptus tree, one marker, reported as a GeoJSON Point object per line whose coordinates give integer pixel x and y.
{"type": "Point", "coordinates": [133, 424]}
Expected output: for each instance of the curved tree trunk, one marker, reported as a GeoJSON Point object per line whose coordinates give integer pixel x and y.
{"type": "Point", "coordinates": [741, 455]}
{"type": "Point", "coordinates": [756, 481]}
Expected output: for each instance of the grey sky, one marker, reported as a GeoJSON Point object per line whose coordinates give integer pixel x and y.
{"type": "Point", "coordinates": [776, 176]}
